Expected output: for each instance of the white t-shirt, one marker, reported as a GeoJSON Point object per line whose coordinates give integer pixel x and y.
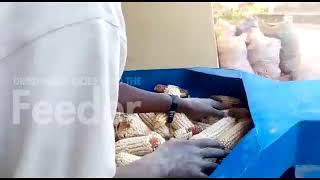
{"type": "Point", "coordinates": [60, 65]}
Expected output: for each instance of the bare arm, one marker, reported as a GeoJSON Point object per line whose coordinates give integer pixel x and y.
{"type": "Point", "coordinates": [134, 100]}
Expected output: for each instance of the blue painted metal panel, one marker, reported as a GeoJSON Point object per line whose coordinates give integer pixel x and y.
{"type": "Point", "coordinates": [286, 117]}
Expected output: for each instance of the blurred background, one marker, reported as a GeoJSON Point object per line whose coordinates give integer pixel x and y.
{"type": "Point", "coordinates": [190, 34]}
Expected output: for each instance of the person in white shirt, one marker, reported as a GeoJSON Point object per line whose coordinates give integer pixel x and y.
{"type": "Point", "coordinates": [60, 66]}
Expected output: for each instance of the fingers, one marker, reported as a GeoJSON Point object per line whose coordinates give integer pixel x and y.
{"type": "Point", "coordinates": [208, 167]}
{"type": "Point", "coordinates": [216, 104]}
{"type": "Point", "coordinates": [197, 173]}
{"type": "Point", "coordinates": [202, 175]}
{"type": "Point", "coordinates": [206, 143]}
{"type": "Point", "coordinates": [218, 113]}
{"type": "Point", "coordinates": [213, 153]}
{"type": "Point", "coordinates": [238, 112]}
{"type": "Point", "coordinates": [216, 108]}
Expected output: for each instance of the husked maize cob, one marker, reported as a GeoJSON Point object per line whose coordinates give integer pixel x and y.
{"type": "Point", "coordinates": [117, 118]}
{"type": "Point", "coordinates": [123, 159]}
{"type": "Point", "coordinates": [130, 125]}
{"type": "Point", "coordinates": [164, 131]}
{"type": "Point", "coordinates": [182, 133]}
{"type": "Point", "coordinates": [141, 145]}
{"type": "Point", "coordinates": [157, 122]}
{"type": "Point", "coordinates": [216, 129]}
{"type": "Point", "coordinates": [227, 101]}
{"type": "Point", "coordinates": [148, 119]}
{"type": "Point", "coordinates": [238, 113]}
{"type": "Point", "coordinates": [195, 129]}
{"type": "Point", "coordinates": [160, 120]}
{"type": "Point", "coordinates": [231, 137]}
{"type": "Point", "coordinates": [116, 122]}
{"type": "Point", "coordinates": [171, 89]}
{"type": "Point", "coordinates": [180, 120]}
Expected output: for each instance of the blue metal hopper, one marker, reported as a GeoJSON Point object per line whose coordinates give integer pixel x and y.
{"type": "Point", "coordinates": [286, 118]}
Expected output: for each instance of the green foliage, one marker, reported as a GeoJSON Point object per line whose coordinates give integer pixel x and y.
{"type": "Point", "coordinates": [235, 16]}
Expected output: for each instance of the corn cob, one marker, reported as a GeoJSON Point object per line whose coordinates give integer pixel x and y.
{"type": "Point", "coordinates": [216, 129]}
{"type": "Point", "coordinates": [130, 125]}
{"type": "Point", "coordinates": [157, 122]}
{"type": "Point", "coordinates": [148, 119]}
{"type": "Point", "coordinates": [237, 113]}
{"type": "Point", "coordinates": [116, 122]}
{"type": "Point", "coordinates": [181, 121]}
{"type": "Point", "coordinates": [123, 159]}
{"type": "Point", "coordinates": [171, 89]}
{"type": "Point", "coordinates": [227, 101]}
{"type": "Point", "coordinates": [160, 120]}
{"type": "Point", "coordinates": [159, 88]}
{"type": "Point", "coordinates": [164, 131]}
{"type": "Point", "coordinates": [195, 129]}
{"type": "Point", "coordinates": [182, 133]}
{"type": "Point", "coordinates": [141, 145]}
{"type": "Point", "coordinates": [117, 118]}
{"type": "Point", "coordinates": [231, 137]}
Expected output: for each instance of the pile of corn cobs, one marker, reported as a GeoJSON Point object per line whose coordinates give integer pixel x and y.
{"type": "Point", "coordinates": [140, 134]}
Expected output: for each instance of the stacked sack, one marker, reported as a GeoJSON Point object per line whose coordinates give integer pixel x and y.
{"type": "Point", "coordinates": [290, 56]}
{"type": "Point", "coordinates": [232, 49]}
{"type": "Point", "coordinates": [224, 28]}
{"type": "Point", "coordinates": [140, 134]}
{"type": "Point", "coordinates": [272, 50]}
{"type": "Point", "coordinates": [263, 54]}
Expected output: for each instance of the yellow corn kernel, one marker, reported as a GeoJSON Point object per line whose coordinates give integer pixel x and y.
{"type": "Point", "coordinates": [180, 120]}
{"type": "Point", "coordinates": [216, 129]}
{"type": "Point", "coordinates": [130, 125]}
{"type": "Point", "coordinates": [173, 90]}
{"type": "Point", "coordinates": [182, 134]}
{"type": "Point", "coordinates": [160, 120]}
{"type": "Point", "coordinates": [148, 119]}
{"type": "Point", "coordinates": [141, 145]}
{"type": "Point", "coordinates": [123, 159]}
{"type": "Point", "coordinates": [154, 120]}
{"type": "Point", "coordinates": [231, 137]}
{"type": "Point", "coordinates": [164, 131]}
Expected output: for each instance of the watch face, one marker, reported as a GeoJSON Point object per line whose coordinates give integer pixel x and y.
{"type": "Point", "coordinates": [170, 116]}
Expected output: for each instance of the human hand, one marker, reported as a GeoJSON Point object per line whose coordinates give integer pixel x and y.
{"type": "Point", "coordinates": [199, 108]}
{"type": "Point", "coordinates": [185, 158]}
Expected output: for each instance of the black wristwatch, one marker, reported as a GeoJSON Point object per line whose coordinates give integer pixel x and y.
{"type": "Point", "coordinates": [173, 108]}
